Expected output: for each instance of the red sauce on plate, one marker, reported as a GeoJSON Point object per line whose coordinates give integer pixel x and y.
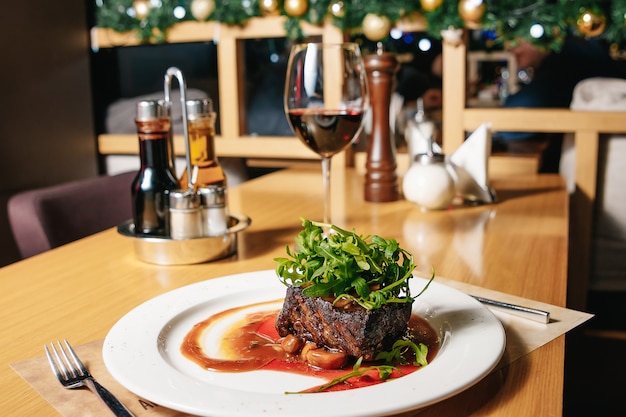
{"type": "Point", "coordinates": [254, 344]}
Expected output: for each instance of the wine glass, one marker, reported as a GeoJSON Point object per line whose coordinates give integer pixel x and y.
{"type": "Point", "coordinates": [325, 100]}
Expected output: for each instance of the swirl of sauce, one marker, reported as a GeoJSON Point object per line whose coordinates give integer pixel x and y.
{"type": "Point", "coordinates": [253, 343]}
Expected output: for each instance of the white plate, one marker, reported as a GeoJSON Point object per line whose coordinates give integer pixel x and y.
{"type": "Point", "coordinates": [142, 352]}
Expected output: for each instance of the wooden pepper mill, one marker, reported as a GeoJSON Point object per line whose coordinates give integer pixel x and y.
{"type": "Point", "coordinates": [381, 180]}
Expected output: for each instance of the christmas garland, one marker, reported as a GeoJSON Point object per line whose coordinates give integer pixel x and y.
{"type": "Point", "coordinates": [542, 22]}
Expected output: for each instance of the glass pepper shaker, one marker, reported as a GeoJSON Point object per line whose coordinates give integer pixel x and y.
{"type": "Point", "coordinates": [185, 215]}
{"type": "Point", "coordinates": [420, 130]}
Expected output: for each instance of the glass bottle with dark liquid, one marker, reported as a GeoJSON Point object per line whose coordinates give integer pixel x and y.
{"type": "Point", "coordinates": [155, 178]}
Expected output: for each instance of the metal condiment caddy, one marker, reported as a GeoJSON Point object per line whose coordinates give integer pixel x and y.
{"type": "Point", "coordinates": [199, 226]}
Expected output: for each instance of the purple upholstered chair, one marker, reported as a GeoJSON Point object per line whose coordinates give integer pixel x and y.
{"type": "Point", "coordinates": [45, 218]}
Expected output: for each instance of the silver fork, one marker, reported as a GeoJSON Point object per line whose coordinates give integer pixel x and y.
{"type": "Point", "coordinates": [73, 374]}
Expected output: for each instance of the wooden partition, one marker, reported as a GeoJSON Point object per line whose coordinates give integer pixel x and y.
{"type": "Point", "coordinates": [586, 126]}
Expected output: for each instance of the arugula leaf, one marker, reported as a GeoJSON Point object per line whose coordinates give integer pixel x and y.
{"type": "Point", "coordinates": [371, 271]}
{"type": "Point", "coordinates": [395, 355]}
{"type": "Point", "coordinates": [384, 373]}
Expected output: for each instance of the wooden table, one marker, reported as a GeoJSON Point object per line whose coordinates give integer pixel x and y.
{"type": "Point", "coordinates": [518, 246]}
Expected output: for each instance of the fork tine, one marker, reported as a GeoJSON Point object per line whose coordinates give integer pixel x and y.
{"type": "Point", "coordinates": [81, 366]}
{"type": "Point", "coordinates": [67, 363]}
{"type": "Point", "coordinates": [67, 372]}
{"type": "Point", "coordinates": [53, 364]}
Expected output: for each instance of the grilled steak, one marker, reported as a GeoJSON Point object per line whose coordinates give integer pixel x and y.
{"type": "Point", "coordinates": [355, 330]}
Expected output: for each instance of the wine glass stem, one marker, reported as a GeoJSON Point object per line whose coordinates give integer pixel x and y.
{"type": "Point", "coordinates": [326, 179]}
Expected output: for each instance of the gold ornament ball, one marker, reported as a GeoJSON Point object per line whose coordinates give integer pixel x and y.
{"type": "Point", "coordinates": [471, 11]}
{"type": "Point", "coordinates": [142, 8]}
{"type": "Point", "coordinates": [337, 9]}
{"type": "Point", "coordinates": [270, 7]}
{"type": "Point", "coordinates": [376, 27]}
{"type": "Point", "coordinates": [430, 5]}
{"type": "Point", "coordinates": [590, 23]}
{"type": "Point", "coordinates": [202, 9]}
{"type": "Point", "coordinates": [296, 8]}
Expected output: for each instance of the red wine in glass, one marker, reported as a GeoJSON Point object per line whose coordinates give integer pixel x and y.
{"type": "Point", "coordinates": [326, 132]}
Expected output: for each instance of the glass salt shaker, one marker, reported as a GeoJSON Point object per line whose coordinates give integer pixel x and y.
{"type": "Point", "coordinates": [214, 210]}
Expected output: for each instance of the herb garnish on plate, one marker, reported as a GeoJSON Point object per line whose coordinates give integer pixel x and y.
{"type": "Point", "coordinates": [371, 271]}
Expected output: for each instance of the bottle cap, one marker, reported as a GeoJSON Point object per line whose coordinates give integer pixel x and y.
{"type": "Point", "coordinates": [212, 195]}
{"type": "Point", "coordinates": [430, 158]}
{"type": "Point", "coordinates": [184, 199]}
{"type": "Point", "coordinates": [152, 109]}
{"type": "Point", "coordinates": [199, 107]}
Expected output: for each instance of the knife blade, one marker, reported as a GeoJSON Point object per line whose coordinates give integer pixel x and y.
{"type": "Point", "coordinates": [533, 314]}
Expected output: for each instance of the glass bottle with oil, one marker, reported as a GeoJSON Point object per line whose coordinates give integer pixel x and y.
{"type": "Point", "coordinates": [205, 167]}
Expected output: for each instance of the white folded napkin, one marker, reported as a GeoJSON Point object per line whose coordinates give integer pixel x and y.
{"type": "Point", "coordinates": [470, 162]}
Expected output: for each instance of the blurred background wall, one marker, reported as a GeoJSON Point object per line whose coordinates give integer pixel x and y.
{"type": "Point", "coordinates": [46, 119]}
